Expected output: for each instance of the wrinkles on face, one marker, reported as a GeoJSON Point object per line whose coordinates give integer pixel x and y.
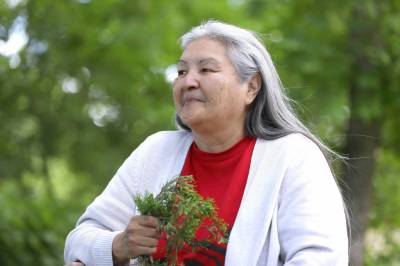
{"type": "Point", "coordinates": [208, 94]}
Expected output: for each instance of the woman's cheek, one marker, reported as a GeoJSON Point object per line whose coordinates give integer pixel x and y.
{"type": "Point", "coordinates": [176, 95]}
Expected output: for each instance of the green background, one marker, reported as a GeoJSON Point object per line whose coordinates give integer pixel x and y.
{"type": "Point", "coordinates": [89, 84]}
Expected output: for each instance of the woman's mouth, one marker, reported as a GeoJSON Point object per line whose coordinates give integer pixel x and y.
{"type": "Point", "coordinates": [191, 98]}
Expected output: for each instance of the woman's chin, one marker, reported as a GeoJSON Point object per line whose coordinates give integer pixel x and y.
{"type": "Point", "coordinates": [191, 121]}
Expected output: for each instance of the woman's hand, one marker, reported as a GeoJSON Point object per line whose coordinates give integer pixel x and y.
{"type": "Point", "coordinates": [139, 238]}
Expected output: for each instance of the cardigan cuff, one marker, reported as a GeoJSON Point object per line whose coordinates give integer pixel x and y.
{"type": "Point", "coordinates": [102, 249]}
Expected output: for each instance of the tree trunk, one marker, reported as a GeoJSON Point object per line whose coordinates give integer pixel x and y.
{"type": "Point", "coordinates": [361, 145]}
{"type": "Point", "coordinates": [364, 129]}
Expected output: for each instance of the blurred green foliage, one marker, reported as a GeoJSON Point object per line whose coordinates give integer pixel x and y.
{"type": "Point", "coordinates": [89, 85]}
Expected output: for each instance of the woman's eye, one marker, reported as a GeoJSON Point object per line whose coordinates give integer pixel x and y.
{"type": "Point", "coordinates": [207, 70]}
{"type": "Point", "coordinates": [181, 72]}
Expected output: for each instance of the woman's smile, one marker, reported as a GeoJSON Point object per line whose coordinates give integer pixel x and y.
{"type": "Point", "coordinates": [191, 98]}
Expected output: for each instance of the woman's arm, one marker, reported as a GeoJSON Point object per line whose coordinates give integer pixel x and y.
{"type": "Point", "coordinates": [311, 217]}
{"type": "Point", "coordinates": [111, 213]}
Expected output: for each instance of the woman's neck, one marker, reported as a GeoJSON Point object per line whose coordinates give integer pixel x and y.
{"type": "Point", "coordinates": [218, 141]}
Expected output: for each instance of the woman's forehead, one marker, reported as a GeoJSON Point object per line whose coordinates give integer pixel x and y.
{"type": "Point", "coordinates": [200, 61]}
{"type": "Point", "coordinates": [204, 50]}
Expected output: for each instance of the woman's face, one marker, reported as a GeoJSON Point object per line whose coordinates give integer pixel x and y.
{"type": "Point", "coordinates": [208, 94]}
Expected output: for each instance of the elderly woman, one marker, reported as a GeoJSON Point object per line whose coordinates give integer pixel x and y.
{"type": "Point", "coordinates": [245, 148]}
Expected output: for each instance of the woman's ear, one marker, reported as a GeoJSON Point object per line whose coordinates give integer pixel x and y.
{"type": "Point", "coordinates": [253, 87]}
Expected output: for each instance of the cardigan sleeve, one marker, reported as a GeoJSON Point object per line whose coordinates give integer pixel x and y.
{"type": "Point", "coordinates": [91, 241]}
{"type": "Point", "coordinates": [311, 217]}
{"type": "Point", "coordinates": [158, 158]}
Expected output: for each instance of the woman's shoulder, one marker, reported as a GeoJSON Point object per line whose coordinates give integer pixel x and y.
{"type": "Point", "coordinates": [159, 148]}
{"type": "Point", "coordinates": [294, 142]}
{"type": "Point", "coordinates": [291, 149]}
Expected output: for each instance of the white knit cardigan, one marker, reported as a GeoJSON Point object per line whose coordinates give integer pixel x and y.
{"type": "Point", "coordinates": [291, 211]}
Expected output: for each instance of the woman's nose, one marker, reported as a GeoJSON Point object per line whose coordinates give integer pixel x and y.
{"type": "Point", "coordinates": [191, 80]}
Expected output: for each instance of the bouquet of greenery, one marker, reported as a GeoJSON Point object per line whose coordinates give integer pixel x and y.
{"type": "Point", "coordinates": [181, 211]}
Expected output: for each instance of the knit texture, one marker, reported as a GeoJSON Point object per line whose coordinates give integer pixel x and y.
{"type": "Point", "coordinates": [291, 212]}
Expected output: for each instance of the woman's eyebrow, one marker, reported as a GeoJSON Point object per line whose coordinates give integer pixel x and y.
{"type": "Point", "coordinates": [209, 60]}
{"type": "Point", "coordinates": [182, 62]}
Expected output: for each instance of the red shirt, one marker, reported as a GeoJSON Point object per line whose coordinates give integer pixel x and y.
{"type": "Point", "coordinates": [222, 177]}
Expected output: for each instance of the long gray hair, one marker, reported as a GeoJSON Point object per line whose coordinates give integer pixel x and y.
{"type": "Point", "coordinates": [271, 115]}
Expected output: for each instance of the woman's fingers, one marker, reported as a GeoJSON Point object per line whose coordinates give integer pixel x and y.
{"type": "Point", "coordinates": [148, 221]}
{"type": "Point", "coordinates": [144, 226]}
{"type": "Point", "coordinates": [139, 238]}
{"type": "Point", "coordinates": [143, 241]}
{"type": "Point", "coordinates": [145, 250]}
{"type": "Point", "coordinates": [145, 231]}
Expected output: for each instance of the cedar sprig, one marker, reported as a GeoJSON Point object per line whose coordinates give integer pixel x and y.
{"type": "Point", "coordinates": [181, 211]}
